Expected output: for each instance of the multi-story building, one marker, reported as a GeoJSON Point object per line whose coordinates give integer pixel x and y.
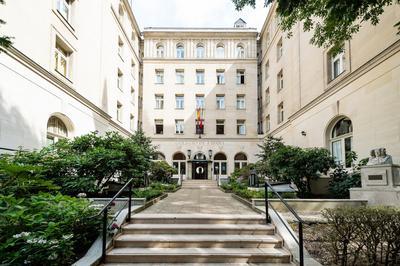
{"type": "Point", "coordinates": [200, 97]}
{"type": "Point", "coordinates": [73, 68]}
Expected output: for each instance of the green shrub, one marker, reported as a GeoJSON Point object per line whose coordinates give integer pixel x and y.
{"type": "Point", "coordinates": [45, 229]}
{"type": "Point", "coordinates": [363, 236]}
{"type": "Point", "coordinates": [161, 171]}
{"type": "Point", "coordinates": [342, 181]}
{"type": "Point", "coordinates": [147, 193]}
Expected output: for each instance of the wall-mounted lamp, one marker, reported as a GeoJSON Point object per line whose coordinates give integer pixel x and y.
{"type": "Point", "coordinates": [189, 153]}
{"type": "Point", "coordinates": [210, 154]}
{"type": "Point", "coordinates": [303, 133]}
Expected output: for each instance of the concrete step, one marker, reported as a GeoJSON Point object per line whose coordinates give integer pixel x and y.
{"type": "Point", "coordinates": [238, 229]}
{"type": "Point", "coordinates": [197, 241]}
{"type": "Point", "coordinates": [197, 219]}
{"type": "Point", "coordinates": [197, 264]}
{"type": "Point", "coordinates": [197, 255]}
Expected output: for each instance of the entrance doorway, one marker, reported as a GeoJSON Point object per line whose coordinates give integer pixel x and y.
{"type": "Point", "coordinates": [200, 170]}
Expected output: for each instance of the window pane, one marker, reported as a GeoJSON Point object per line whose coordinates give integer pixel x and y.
{"type": "Point", "coordinates": [183, 168]}
{"type": "Point", "coordinates": [223, 168]}
{"type": "Point", "coordinates": [337, 151]}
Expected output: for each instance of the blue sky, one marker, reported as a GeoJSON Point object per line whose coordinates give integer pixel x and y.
{"type": "Point", "coordinates": [195, 13]}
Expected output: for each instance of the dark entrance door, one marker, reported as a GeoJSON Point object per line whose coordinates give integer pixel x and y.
{"type": "Point", "coordinates": [199, 170]}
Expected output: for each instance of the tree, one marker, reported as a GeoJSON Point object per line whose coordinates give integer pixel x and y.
{"type": "Point", "coordinates": [161, 171]}
{"type": "Point", "coordinates": [5, 41]}
{"type": "Point", "coordinates": [333, 21]}
{"type": "Point", "coordinates": [269, 146]}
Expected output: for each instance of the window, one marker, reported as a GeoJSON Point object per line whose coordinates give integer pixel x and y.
{"type": "Point", "coordinates": [62, 60]}
{"type": "Point", "coordinates": [220, 127]}
{"type": "Point", "coordinates": [56, 129]}
{"type": "Point", "coordinates": [267, 123]}
{"type": "Point", "coordinates": [121, 12]}
{"type": "Point", "coordinates": [133, 69]}
{"type": "Point", "coordinates": [220, 51]}
{"type": "Point", "coordinates": [240, 51]}
{"type": "Point", "coordinates": [180, 76]}
{"type": "Point", "coordinates": [133, 95]}
{"type": "Point", "coordinates": [267, 70]}
{"type": "Point", "coordinates": [267, 96]}
{"type": "Point", "coordinates": [120, 79]}
{"type": "Point", "coordinates": [180, 101]}
{"type": "Point", "coordinates": [241, 127]}
{"type": "Point", "coordinates": [132, 122]}
{"type": "Point", "coordinates": [240, 77]}
{"type": "Point", "coordinates": [220, 164]}
{"type": "Point", "coordinates": [240, 102]}
{"type": "Point", "coordinates": [200, 101]}
{"type": "Point", "coordinates": [179, 126]}
{"type": "Point", "coordinates": [199, 76]}
{"type": "Point", "coordinates": [220, 76]}
{"type": "Point", "coordinates": [200, 51]}
{"type": "Point", "coordinates": [159, 76]}
{"type": "Point", "coordinates": [180, 51]}
{"type": "Point", "coordinates": [279, 49]}
{"type": "Point", "coordinates": [64, 8]}
{"type": "Point", "coordinates": [159, 101]}
{"type": "Point", "coordinates": [337, 64]}
{"type": "Point", "coordinates": [280, 80]}
{"type": "Point", "coordinates": [281, 114]}
{"type": "Point", "coordinates": [341, 138]}
{"type": "Point", "coordinates": [240, 160]}
{"type": "Point", "coordinates": [160, 51]}
{"type": "Point", "coordinates": [119, 111]}
{"type": "Point", "coordinates": [267, 38]}
{"type": "Point", "coordinates": [120, 47]}
{"type": "Point", "coordinates": [220, 101]}
{"type": "Point", "coordinates": [159, 126]}
{"type": "Point", "coordinates": [179, 163]}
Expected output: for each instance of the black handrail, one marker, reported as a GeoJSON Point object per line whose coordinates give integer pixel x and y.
{"type": "Point", "coordinates": [300, 221]}
{"type": "Point", "coordinates": [104, 211]}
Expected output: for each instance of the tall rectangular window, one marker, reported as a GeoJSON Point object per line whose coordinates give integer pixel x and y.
{"type": "Point", "coordinates": [179, 126]}
{"type": "Point", "coordinates": [241, 127]}
{"type": "Point", "coordinates": [159, 126]}
{"type": "Point", "coordinates": [280, 80]}
{"type": "Point", "coordinates": [159, 101]}
{"type": "Point", "coordinates": [132, 122]}
{"type": "Point", "coordinates": [119, 111]}
{"type": "Point", "coordinates": [337, 64]}
{"type": "Point", "coordinates": [267, 96]}
{"type": "Point", "coordinates": [200, 101]}
{"type": "Point", "coordinates": [240, 77]}
{"type": "Point", "coordinates": [159, 76]}
{"type": "Point", "coordinates": [267, 123]}
{"type": "Point", "coordinates": [199, 76]}
{"type": "Point", "coordinates": [133, 69]}
{"type": "Point", "coordinates": [132, 95]}
{"type": "Point", "coordinates": [220, 101]}
{"type": "Point", "coordinates": [220, 76]}
{"type": "Point", "coordinates": [279, 49]}
{"type": "Point", "coordinates": [240, 102]}
{"type": "Point", "coordinates": [267, 70]}
{"type": "Point", "coordinates": [180, 76]}
{"type": "Point", "coordinates": [220, 127]}
{"type": "Point", "coordinates": [120, 80]}
{"type": "Point", "coordinates": [64, 8]}
{"type": "Point", "coordinates": [281, 113]}
{"type": "Point", "coordinates": [120, 47]}
{"type": "Point", "coordinates": [62, 60]}
{"type": "Point", "coordinates": [180, 101]}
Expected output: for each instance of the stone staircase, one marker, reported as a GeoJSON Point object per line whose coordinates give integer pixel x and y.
{"type": "Point", "coordinates": [199, 184]}
{"type": "Point", "coordinates": [197, 239]}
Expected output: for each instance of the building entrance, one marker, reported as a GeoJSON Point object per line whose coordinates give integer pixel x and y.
{"type": "Point", "coordinates": [200, 170]}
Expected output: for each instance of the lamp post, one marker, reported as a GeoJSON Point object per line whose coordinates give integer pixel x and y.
{"type": "Point", "coordinates": [189, 153]}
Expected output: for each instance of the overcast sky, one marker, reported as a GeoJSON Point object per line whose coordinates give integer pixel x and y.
{"type": "Point", "coordinates": [195, 13]}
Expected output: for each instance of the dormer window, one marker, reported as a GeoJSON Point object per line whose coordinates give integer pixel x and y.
{"type": "Point", "coordinates": [220, 51]}
{"type": "Point", "coordinates": [180, 51]}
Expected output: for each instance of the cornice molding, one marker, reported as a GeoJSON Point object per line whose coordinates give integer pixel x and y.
{"type": "Point", "coordinates": [197, 60]}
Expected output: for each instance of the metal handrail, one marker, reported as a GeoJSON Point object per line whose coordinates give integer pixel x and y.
{"type": "Point", "coordinates": [104, 211]}
{"type": "Point", "coordinates": [300, 221]}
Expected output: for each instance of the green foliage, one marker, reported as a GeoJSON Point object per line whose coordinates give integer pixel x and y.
{"type": "Point", "coordinates": [153, 191]}
{"type": "Point", "coordinates": [45, 229]}
{"type": "Point", "coordinates": [332, 21]}
{"type": "Point", "coordinates": [363, 236]}
{"type": "Point", "coordinates": [269, 146]}
{"type": "Point", "coordinates": [243, 174]}
{"type": "Point", "coordinates": [5, 41]}
{"type": "Point", "coordinates": [342, 181]}
{"type": "Point", "coordinates": [161, 171]}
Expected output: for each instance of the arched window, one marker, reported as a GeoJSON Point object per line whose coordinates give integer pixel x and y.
{"type": "Point", "coordinates": [121, 12]}
{"type": "Point", "coordinates": [200, 156]}
{"type": "Point", "coordinates": [56, 129]}
{"type": "Point", "coordinates": [179, 162]}
{"type": "Point", "coordinates": [200, 51]}
{"type": "Point", "coordinates": [220, 50]}
{"type": "Point", "coordinates": [341, 141]}
{"type": "Point", "coordinates": [240, 51]}
{"type": "Point", "coordinates": [180, 51]}
{"type": "Point", "coordinates": [220, 166]}
{"type": "Point", "coordinates": [240, 160]}
{"type": "Point", "coordinates": [159, 157]}
{"type": "Point", "coordinates": [160, 50]}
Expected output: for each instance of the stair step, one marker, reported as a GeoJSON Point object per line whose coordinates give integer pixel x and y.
{"type": "Point", "coordinates": [196, 219]}
{"type": "Point", "coordinates": [196, 264]}
{"type": "Point", "coordinates": [198, 255]}
{"type": "Point", "coordinates": [242, 229]}
{"type": "Point", "coordinates": [198, 241]}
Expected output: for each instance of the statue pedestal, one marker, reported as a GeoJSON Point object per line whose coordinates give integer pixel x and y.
{"type": "Point", "coordinates": [380, 185]}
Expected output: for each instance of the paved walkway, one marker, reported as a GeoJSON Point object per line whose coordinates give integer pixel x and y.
{"type": "Point", "coordinates": [205, 200]}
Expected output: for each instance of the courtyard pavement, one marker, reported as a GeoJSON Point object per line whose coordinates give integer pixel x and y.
{"type": "Point", "coordinates": [201, 200]}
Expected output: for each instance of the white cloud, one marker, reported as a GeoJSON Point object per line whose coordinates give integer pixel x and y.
{"type": "Point", "coordinates": [195, 13]}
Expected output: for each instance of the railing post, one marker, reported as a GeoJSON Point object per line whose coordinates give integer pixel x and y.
{"type": "Point", "coordinates": [267, 218]}
{"type": "Point", "coordinates": [103, 250]}
{"type": "Point", "coordinates": [130, 202]}
{"type": "Point", "coordinates": [301, 248]}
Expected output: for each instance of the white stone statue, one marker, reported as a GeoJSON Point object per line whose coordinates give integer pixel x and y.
{"type": "Point", "coordinates": [379, 156]}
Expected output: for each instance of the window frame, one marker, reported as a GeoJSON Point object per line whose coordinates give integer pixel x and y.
{"type": "Point", "coordinates": [159, 76]}
{"type": "Point", "coordinates": [241, 124]}
{"type": "Point", "coordinates": [179, 98]}
{"type": "Point", "coordinates": [200, 73]}
{"type": "Point", "coordinates": [158, 122]}
{"type": "Point", "coordinates": [180, 51]}
{"type": "Point", "coordinates": [218, 98]}
{"type": "Point", "coordinates": [240, 77]}
{"type": "Point", "coordinates": [179, 76]}
{"type": "Point", "coordinates": [179, 126]}
{"type": "Point", "coordinates": [241, 102]}
{"type": "Point", "coordinates": [218, 124]}
{"type": "Point", "coordinates": [220, 76]}
{"type": "Point", "coordinates": [159, 101]}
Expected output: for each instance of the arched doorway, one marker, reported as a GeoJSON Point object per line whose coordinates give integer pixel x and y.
{"type": "Point", "coordinates": [199, 166]}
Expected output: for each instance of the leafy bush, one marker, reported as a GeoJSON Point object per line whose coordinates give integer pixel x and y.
{"type": "Point", "coordinates": [161, 171]}
{"type": "Point", "coordinates": [363, 236]}
{"type": "Point", "coordinates": [45, 229]}
{"type": "Point", "coordinates": [153, 191]}
{"type": "Point", "coordinates": [342, 181]}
